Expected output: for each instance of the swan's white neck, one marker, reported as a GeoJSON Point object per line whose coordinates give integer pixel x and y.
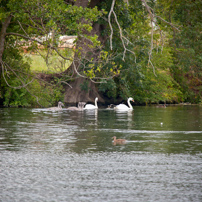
{"type": "Point", "coordinates": [129, 104]}
{"type": "Point", "coordinates": [95, 102]}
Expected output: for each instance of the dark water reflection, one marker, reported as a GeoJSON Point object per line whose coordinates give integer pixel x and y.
{"type": "Point", "coordinates": [69, 156]}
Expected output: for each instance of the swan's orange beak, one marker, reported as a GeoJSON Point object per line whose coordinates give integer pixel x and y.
{"type": "Point", "coordinates": [133, 100]}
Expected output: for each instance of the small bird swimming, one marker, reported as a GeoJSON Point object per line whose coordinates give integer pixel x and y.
{"type": "Point", "coordinates": [161, 106]}
{"type": "Point", "coordinates": [111, 106]}
{"type": "Point", "coordinates": [118, 141]}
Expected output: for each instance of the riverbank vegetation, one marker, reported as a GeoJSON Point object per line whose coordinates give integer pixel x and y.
{"type": "Point", "coordinates": [148, 50]}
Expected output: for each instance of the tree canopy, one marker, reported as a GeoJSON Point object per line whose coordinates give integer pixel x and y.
{"type": "Point", "coordinates": [148, 50]}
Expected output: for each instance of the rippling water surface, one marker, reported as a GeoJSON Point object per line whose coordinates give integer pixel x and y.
{"type": "Point", "coordinates": [69, 156]}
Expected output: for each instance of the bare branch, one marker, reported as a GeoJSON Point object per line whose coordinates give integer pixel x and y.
{"type": "Point", "coordinates": [77, 70]}
{"type": "Point", "coordinates": [173, 26]}
{"type": "Point", "coordinates": [153, 22]}
{"type": "Point", "coordinates": [121, 35]}
{"type": "Point", "coordinates": [39, 42]}
{"type": "Point", "coordinates": [4, 65]}
{"type": "Point", "coordinates": [120, 31]}
{"type": "Point", "coordinates": [94, 78]}
{"type": "Point", "coordinates": [66, 83]}
{"type": "Point", "coordinates": [110, 25]}
{"type": "Point", "coordinates": [152, 67]}
{"type": "Point", "coordinates": [152, 40]}
{"type": "Point", "coordinates": [23, 84]}
{"type": "Point", "coordinates": [153, 15]}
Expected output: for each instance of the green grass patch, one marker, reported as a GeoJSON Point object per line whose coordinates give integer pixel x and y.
{"type": "Point", "coordinates": [51, 63]}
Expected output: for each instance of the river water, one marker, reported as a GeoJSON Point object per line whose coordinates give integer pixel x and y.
{"type": "Point", "coordinates": [69, 156]}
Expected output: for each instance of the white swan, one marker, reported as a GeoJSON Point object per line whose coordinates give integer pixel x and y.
{"type": "Point", "coordinates": [90, 106]}
{"type": "Point", "coordinates": [125, 107]}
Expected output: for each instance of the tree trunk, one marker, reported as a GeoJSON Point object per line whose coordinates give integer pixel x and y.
{"type": "Point", "coordinates": [4, 27]}
{"type": "Point", "coordinates": [75, 94]}
{"type": "Point", "coordinates": [78, 94]}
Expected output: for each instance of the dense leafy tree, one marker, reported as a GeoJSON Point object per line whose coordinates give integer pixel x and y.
{"type": "Point", "coordinates": [186, 44]}
{"type": "Point", "coordinates": [134, 48]}
{"type": "Point", "coordinates": [145, 72]}
{"type": "Point", "coordinates": [32, 22]}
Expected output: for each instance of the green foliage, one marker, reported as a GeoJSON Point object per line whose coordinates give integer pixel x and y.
{"type": "Point", "coordinates": [109, 88]}
{"type": "Point", "coordinates": [16, 97]}
{"type": "Point", "coordinates": [16, 75]}
{"type": "Point", "coordinates": [48, 95]}
{"type": "Point", "coordinates": [13, 79]}
{"type": "Point", "coordinates": [186, 45]}
{"type": "Point", "coordinates": [48, 62]}
{"type": "Point", "coordinates": [172, 73]}
{"type": "Point", "coordinates": [103, 67]}
{"type": "Point", "coordinates": [45, 95]}
{"type": "Point", "coordinates": [167, 79]}
{"type": "Point", "coordinates": [36, 19]}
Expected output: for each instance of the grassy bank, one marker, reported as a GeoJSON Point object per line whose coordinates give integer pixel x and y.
{"type": "Point", "coordinates": [51, 64]}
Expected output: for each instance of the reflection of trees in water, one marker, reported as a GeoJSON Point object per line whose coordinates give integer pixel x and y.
{"type": "Point", "coordinates": [125, 117]}
{"type": "Point", "coordinates": [85, 139]}
{"type": "Point", "coordinates": [36, 129]}
{"type": "Point", "coordinates": [92, 130]}
{"type": "Point", "coordinates": [92, 115]}
{"type": "Point", "coordinates": [99, 129]}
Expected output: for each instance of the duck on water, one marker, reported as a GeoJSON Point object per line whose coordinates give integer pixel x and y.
{"type": "Point", "coordinates": [118, 141]}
